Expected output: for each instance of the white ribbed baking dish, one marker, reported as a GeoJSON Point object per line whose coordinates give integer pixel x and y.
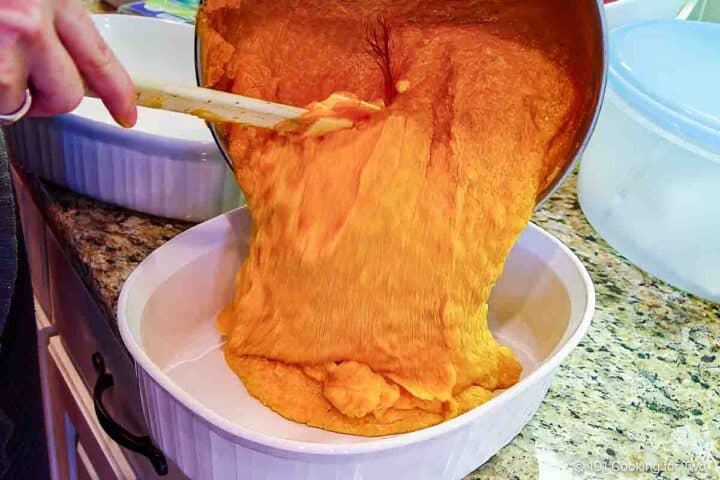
{"type": "Point", "coordinates": [201, 416]}
{"type": "Point", "coordinates": [169, 165]}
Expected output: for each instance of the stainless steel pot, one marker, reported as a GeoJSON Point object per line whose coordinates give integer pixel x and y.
{"type": "Point", "coordinates": [590, 32]}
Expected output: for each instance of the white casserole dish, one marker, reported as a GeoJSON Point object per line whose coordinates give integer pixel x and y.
{"type": "Point", "coordinates": [201, 416]}
{"type": "Point", "coordinates": [168, 165]}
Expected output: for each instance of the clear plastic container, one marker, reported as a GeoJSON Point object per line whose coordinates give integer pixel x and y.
{"type": "Point", "coordinates": [622, 12]}
{"type": "Point", "coordinates": [704, 10]}
{"type": "Point", "coordinates": [650, 178]}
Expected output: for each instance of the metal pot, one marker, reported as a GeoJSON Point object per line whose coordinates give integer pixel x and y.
{"type": "Point", "coordinates": [585, 24]}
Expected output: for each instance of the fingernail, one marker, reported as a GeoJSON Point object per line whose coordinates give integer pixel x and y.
{"type": "Point", "coordinates": [129, 120]}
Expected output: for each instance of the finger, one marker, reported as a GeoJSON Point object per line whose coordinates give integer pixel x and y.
{"type": "Point", "coordinates": [55, 82]}
{"type": "Point", "coordinates": [98, 65]}
{"type": "Point", "coordinates": [27, 18]}
{"type": "Point", "coordinates": [13, 74]}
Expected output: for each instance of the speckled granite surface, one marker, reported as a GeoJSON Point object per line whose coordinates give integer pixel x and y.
{"type": "Point", "coordinates": [639, 398]}
{"type": "Point", "coordinates": [105, 242]}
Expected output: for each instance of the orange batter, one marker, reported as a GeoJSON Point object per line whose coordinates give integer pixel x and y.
{"type": "Point", "coordinates": [362, 306]}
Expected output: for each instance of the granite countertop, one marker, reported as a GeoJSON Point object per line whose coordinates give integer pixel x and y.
{"type": "Point", "coordinates": [104, 242]}
{"type": "Point", "coordinates": [639, 398]}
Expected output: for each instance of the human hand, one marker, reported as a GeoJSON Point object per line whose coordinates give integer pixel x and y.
{"type": "Point", "coordinates": [49, 47]}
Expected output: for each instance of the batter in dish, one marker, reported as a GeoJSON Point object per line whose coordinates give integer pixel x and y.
{"type": "Point", "coordinates": [362, 307]}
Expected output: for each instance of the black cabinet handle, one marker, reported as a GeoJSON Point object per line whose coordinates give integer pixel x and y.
{"type": "Point", "coordinates": [141, 445]}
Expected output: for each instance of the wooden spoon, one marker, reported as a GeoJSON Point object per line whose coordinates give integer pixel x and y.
{"type": "Point", "coordinates": [223, 107]}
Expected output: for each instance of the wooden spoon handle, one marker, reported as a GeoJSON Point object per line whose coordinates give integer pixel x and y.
{"type": "Point", "coordinates": [213, 105]}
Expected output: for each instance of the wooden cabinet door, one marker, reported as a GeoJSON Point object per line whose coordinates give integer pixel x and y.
{"type": "Point", "coordinates": [33, 226]}
{"type": "Point", "coordinates": [81, 450]}
{"type": "Point", "coordinates": [85, 468]}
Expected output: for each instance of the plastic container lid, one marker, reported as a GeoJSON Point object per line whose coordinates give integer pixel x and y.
{"type": "Point", "coordinates": [669, 71]}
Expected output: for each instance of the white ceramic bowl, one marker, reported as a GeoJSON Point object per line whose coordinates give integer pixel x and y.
{"type": "Point", "coordinates": [201, 416]}
{"type": "Point", "coordinates": [168, 165]}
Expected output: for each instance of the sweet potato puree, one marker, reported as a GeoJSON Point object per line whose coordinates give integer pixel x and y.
{"type": "Point", "coordinates": [362, 306]}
